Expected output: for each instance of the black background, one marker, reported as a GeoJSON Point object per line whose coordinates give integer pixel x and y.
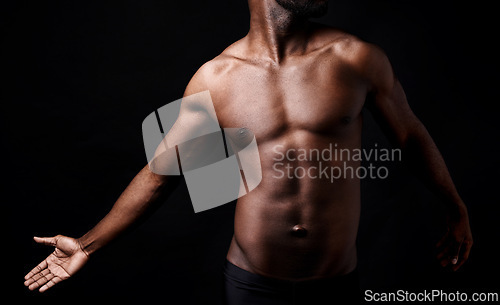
{"type": "Point", "coordinates": [79, 77]}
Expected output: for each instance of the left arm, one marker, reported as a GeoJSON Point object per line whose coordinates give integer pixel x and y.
{"type": "Point", "coordinates": [390, 108]}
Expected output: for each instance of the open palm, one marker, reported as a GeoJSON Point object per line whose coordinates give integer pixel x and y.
{"type": "Point", "coordinates": [67, 258]}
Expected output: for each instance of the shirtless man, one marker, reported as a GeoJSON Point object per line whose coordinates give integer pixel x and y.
{"type": "Point", "coordinates": [294, 84]}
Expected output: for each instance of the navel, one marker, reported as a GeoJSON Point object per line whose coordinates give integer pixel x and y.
{"type": "Point", "coordinates": [299, 231]}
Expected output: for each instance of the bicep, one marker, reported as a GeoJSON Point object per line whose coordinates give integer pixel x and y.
{"type": "Point", "coordinates": [196, 118]}
{"type": "Point", "coordinates": [387, 100]}
{"type": "Point", "coordinates": [393, 113]}
{"type": "Point", "coordinates": [196, 113]}
{"type": "Point", "coordinates": [187, 137]}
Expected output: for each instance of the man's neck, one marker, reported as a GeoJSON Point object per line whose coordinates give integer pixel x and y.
{"type": "Point", "coordinates": [275, 32]}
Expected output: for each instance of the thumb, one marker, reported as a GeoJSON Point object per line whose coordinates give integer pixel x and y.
{"type": "Point", "coordinates": [454, 259]}
{"type": "Point", "coordinates": [48, 241]}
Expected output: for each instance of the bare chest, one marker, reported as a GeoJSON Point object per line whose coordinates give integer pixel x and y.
{"type": "Point", "coordinates": [318, 96]}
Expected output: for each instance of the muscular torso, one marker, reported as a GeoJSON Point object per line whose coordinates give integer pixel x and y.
{"type": "Point", "coordinates": [309, 101]}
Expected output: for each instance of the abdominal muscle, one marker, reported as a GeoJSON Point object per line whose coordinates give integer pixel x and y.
{"type": "Point", "coordinates": [296, 224]}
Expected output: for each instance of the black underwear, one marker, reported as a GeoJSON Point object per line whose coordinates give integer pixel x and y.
{"type": "Point", "coordinates": [246, 288]}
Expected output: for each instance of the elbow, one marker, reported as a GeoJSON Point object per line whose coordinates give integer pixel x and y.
{"type": "Point", "coordinates": [412, 135]}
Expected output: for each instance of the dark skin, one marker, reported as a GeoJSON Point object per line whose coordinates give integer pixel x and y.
{"type": "Point", "coordinates": [294, 84]}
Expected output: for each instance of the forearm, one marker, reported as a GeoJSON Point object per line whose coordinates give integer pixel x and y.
{"type": "Point", "coordinates": [140, 194]}
{"type": "Point", "coordinates": [423, 156]}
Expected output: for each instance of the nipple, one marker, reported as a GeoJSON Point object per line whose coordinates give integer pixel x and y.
{"type": "Point", "coordinates": [299, 231]}
{"type": "Point", "coordinates": [238, 138]}
{"type": "Point", "coordinates": [242, 132]}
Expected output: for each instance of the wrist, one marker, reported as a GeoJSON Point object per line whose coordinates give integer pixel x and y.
{"type": "Point", "coordinates": [456, 211]}
{"type": "Point", "coordinates": [87, 246]}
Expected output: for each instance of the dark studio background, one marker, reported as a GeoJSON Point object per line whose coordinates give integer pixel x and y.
{"type": "Point", "coordinates": [80, 77]}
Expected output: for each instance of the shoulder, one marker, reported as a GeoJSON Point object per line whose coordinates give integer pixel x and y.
{"type": "Point", "coordinates": [348, 47]}
{"type": "Point", "coordinates": [367, 60]}
{"type": "Point", "coordinates": [210, 74]}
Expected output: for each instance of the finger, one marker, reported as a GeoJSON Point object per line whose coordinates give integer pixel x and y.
{"type": "Point", "coordinates": [449, 253]}
{"type": "Point", "coordinates": [50, 283]}
{"type": "Point", "coordinates": [466, 246]}
{"type": "Point", "coordinates": [36, 277]}
{"type": "Point", "coordinates": [41, 281]}
{"type": "Point", "coordinates": [456, 253]}
{"type": "Point", "coordinates": [445, 255]}
{"type": "Point", "coordinates": [444, 262]}
{"type": "Point", "coordinates": [461, 261]}
{"type": "Point", "coordinates": [49, 241]}
{"type": "Point", "coordinates": [40, 267]}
